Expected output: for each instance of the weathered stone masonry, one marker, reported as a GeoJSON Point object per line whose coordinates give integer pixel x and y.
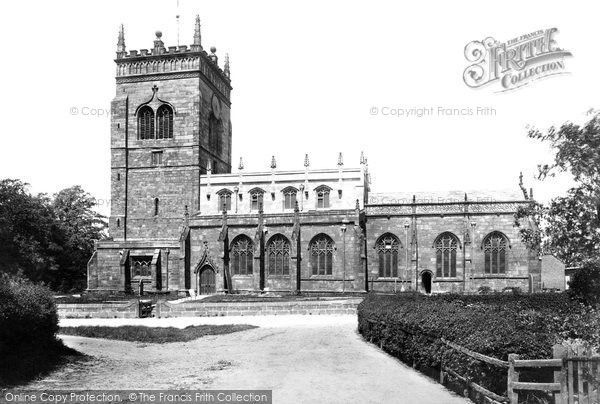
{"type": "Point", "coordinates": [181, 221]}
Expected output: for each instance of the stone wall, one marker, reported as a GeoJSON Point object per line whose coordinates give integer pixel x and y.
{"type": "Point", "coordinates": [166, 309]}
{"type": "Point", "coordinates": [522, 269]}
{"type": "Point", "coordinates": [205, 247]}
{"type": "Point", "coordinates": [199, 309]}
{"type": "Point", "coordinates": [98, 310]}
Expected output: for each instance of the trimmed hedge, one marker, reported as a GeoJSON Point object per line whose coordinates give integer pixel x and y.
{"type": "Point", "coordinates": [28, 326]}
{"type": "Point", "coordinates": [410, 326]}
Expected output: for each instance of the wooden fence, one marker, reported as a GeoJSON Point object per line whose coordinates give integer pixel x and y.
{"type": "Point", "coordinates": [576, 375]}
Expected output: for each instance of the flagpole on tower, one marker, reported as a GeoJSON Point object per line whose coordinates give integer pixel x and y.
{"type": "Point", "coordinates": [177, 18]}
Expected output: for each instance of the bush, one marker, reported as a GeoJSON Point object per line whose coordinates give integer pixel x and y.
{"type": "Point", "coordinates": [28, 326]}
{"type": "Point", "coordinates": [410, 327]}
{"type": "Point", "coordinates": [27, 313]}
{"type": "Point", "coordinates": [585, 285]}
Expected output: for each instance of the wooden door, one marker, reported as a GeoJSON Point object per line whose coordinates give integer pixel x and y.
{"type": "Point", "coordinates": [207, 281]}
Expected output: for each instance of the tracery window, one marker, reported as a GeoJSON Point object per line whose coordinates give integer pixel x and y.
{"type": "Point", "coordinates": [165, 122]}
{"type": "Point", "coordinates": [445, 250]}
{"type": "Point", "coordinates": [387, 251]}
{"type": "Point", "coordinates": [494, 247]}
{"type": "Point", "coordinates": [322, 197]}
{"type": "Point", "coordinates": [224, 200]}
{"type": "Point", "coordinates": [242, 253]}
{"type": "Point", "coordinates": [145, 123]}
{"type": "Point", "coordinates": [289, 198]}
{"type": "Point", "coordinates": [256, 199]}
{"type": "Point", "coordinates": [141, 266]}
{"type": "Point", "coordinates": [321, 255]}
{"type": "Point", "coordinates": [278, 254]}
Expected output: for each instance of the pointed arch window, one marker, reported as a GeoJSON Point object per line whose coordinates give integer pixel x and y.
{"type": "Point", "coordinates": [278, 255]}
{"type": "Point", "coordinates": [141, 266]}
{"type": "Point", "coordinates": [321, 255]}
{"type": "Point", "coordinates": [224, 200]}
{"type": "Point", "coordinates": [256, 198]}
{"type": "Point", "coordinates": [242, 254]}
{"type": "Point", "coordinates": [445, 252]}
{"type": "Point", "coordinates": [289, 198]}
{"type": "Point", "coordinates": [215, 135]}
{"type": "Point", "coordinates": [145, 123]}
{"type": "Point", "coordinates": [494, 247]}
{"type": "Point", "coordinates": [165, 122]}
{"type": "Point", "coordinates": [387, 252]}
{"type": "Point", "coordinates": [322, 197]}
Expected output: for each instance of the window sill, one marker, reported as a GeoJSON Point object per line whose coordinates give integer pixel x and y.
{"type": "Point", "coordinates": [491, 276]}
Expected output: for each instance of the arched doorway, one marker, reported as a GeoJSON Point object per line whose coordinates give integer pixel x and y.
{"type": "Point", "coordinates": [207, 284]}
{"type": "Point", "coordinates": [426, 281]}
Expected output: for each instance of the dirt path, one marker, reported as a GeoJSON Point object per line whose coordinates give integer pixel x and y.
{"type": "Point", "coordinates": [303, 359]}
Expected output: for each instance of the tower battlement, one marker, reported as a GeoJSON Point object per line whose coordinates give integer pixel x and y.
{"type": "Point", "coordinates": [160, 62]}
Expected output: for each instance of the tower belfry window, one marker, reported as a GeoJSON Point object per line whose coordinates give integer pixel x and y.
{"type": "Point", "coordinates": [215, 135]}
{"type": "Point", "coordinates": [145, 123]}
{"type": "Point", "coordinates": [165, 122]}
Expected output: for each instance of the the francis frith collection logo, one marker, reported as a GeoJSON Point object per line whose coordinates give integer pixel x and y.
{"type": "Point", "coordinates": [514, 63]}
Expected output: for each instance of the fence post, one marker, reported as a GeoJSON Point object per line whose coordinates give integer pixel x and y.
{"type": "Point", "coordinates": [580, 389]}
{"type": "Point", "coordinates": [513, 376]}
{"type": "Point", "coordinates": [559, 352]}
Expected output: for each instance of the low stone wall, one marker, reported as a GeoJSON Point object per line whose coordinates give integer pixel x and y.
{"type": "Point", "coordinates": [316, 307]}
{"type": "Point", "coordinates": [98, 310]}
{"type": "Point", "coordinates": [199, 309]}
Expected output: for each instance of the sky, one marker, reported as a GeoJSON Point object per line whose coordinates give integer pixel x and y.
{"type": "Point", "coordinates": [308, 77]}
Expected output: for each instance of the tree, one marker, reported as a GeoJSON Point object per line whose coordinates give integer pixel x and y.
{"type": "Point", "coordinates": [26, 226]}
{"type": "Point", "coordinates": [78, 227]}
{"type": "Point", "coordinates": [48, 239]}
{"type": "Point", "coordinates": [577, 152]}
{"type": "Point", "coordinates": [569, 226]}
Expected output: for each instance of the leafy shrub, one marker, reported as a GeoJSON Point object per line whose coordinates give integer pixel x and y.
{"type": "Point", "coordinates": [28, 325]}
{"type": "Point", "coordinates": [27, 312]}
{"type": "Point", "coordinates": [411, 326]}
{"type": "Point", "coordinates": [585, 285]}
{"type": "Point", "coordinates": [484, 290]}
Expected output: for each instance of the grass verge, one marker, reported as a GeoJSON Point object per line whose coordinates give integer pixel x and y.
{"type": "Point", "coordinates": [156, 335]}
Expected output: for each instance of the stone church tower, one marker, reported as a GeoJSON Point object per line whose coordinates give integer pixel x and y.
{"type": "Point", "coordinates": [170, 121]}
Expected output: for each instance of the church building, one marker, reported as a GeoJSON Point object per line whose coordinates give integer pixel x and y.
{"type": "Point", "coordinates": [182, 221]}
